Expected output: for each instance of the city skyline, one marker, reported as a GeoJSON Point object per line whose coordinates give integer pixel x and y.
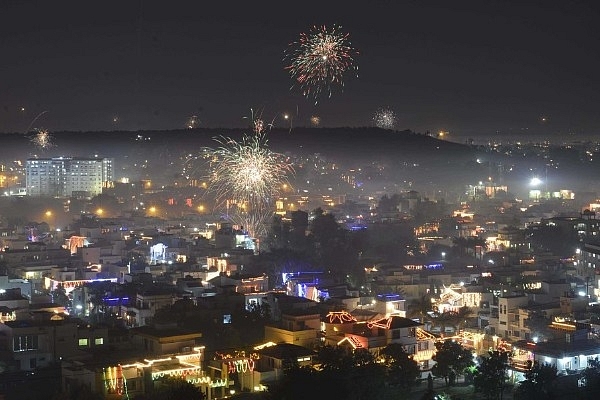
{"type": "Point", "coordinates": [470, 69]}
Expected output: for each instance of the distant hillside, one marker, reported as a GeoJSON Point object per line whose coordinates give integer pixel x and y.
{"type": "Point", "coordinates": [346, 143]}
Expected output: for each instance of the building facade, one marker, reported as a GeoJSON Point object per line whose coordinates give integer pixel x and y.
{"type": "Point", "coordinates": [67, 176]}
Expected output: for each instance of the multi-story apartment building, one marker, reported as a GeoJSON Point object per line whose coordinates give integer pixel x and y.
{"type": "Point", "coordinates": [66, 176]}
{"type": "Point", "coordinates": [588, 260]}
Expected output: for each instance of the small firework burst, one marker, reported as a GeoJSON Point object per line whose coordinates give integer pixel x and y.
{"type": "Point", "coordinates": [42, 139]}
{"type": "Point", "coordinates": [320, 60]}
{"type": "Point", "coordinates": [258, 125]}
{"type": "Point", "coordinates": [315, 120]}
{"type": "Point", "coordinates": [385, 118]}
{"type": "Point", "coordinates": [192, 122]}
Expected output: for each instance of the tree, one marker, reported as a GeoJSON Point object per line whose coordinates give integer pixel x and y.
{"type": "Point", "coordinates": [353, 375]}
{"type": "Point", "coordinates": [98, 291]}
{"type": "Point", "coordinates": [419, 307]}
{"type": "Point", "coordinates": [539, 382]}
{"type": "Point", "coordinates": [59, 296]}
{"type": "Point", "coordinates": [78, 392]}
{"type": "Point", "coordinates": [538, 324]}
{"type": "Point", "coordinates": [490, 375]}
{"type": "Point", "coordinates": [591, 379]}
{"type": "Point", "coordinates": [402, 370]}
{"type": "Point", "coordinates": [333, 358]}
{"type": "Point", "coordinates": [462, 314]}
{"type": "Point", "coordinates": [293, 383]}
{"type": "Point", "coordinates": [451, 359]}
{"type": "Point", "coordinates": [455, 319]}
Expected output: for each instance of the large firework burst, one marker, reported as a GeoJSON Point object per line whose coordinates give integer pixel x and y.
{"type": "Point", "coordinates": [385, 118]}
{"type": "Point", "coordinates": [245, 176]}
{"type": "Point", "coordinates": [320, 60]}
{"type": "Point", "coordinates": [42, 139]}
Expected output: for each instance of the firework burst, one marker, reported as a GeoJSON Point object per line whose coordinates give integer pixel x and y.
{"type": "Point", "coordinates": [258, 125]}
{"type": "Point", "coordinates": [192, 122]}
{"type": "Point", "coordinates": [315, 120]}
{"type": "Point", "coordinates": [247, 175]}
{"type": "Point", "coordinates": [320, 60]}
{"type": "Point", "coordinates": [42, 139]}
{"type": "Point", "coordinates": [385, 118]}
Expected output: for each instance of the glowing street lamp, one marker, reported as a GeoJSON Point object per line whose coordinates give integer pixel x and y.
{"type": "Point", "coordinates": [100, 211]}
{"type": "Point", "coordinates": [50, 215]}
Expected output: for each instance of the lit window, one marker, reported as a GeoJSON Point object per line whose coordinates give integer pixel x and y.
{"type": "Point", "coordinates": [83, 342]}
{"type": "Point", "coordinates": [98, 341]}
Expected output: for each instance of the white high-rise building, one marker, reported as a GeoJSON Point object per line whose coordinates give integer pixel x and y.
{"type": "Point", "coordinates": [67, 176]}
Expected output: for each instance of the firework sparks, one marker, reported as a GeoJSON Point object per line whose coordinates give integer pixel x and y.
{"type": "Point", "coordinates": [320, 60]}
{"type": "Point", "coordinates": [315, 120]}
{"type": "Point", "coordinates": [42, 139]}
{"type": "Point", "coordinates": [192, 122]}
{"type": "Point", "coordinates": [258, 125]}
{"type": "Point", "coordinates": [385, 118]}
{"type": "Point", "coordinates": [247, 174]}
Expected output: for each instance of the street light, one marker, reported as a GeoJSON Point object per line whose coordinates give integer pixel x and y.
{"type": "Point", "coordinates": [50, 214]}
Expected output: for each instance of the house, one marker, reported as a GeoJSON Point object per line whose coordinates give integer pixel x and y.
{"type": "Point", "coordinates": [147, 302]}
{"type": "Point", "coordinates": [268, 365]}
{"type": "Point", "coordinates": [158, 340]}
{"type": "Point", "coordinates": [342, 329]}
{"type": "Point", "coordinates": [28, 344]}
{"type": "Point", "coordinates": [299, 327]}
{"type": "Point", "coordinates": [570, 353]}
{"type": "Point", "coordinates": [116, 377]}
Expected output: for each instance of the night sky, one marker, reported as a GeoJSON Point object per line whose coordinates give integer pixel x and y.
{"type": "Point", "coordinates": [467, 67]}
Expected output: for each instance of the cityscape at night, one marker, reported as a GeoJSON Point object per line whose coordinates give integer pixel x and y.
{"type": "Point", "coordinates": [388, 200]}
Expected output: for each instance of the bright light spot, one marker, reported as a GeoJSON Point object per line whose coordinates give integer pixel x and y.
{"type": "Point", "coordinates": [535, 181]}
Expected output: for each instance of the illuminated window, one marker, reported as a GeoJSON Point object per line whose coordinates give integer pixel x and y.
{"type": "Point", "coordinates": [25, 342]}
{"type": "Point", "coordinates": [98, 341]}
{"type": "Point", "coordinates": [83, 342]}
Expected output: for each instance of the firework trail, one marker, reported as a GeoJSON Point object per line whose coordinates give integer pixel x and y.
{"type": "Point", "coordinates": [320, 60]}
{"type": "Point", "coordinates": [33, 121]}
{"type": "Point", "coordinates": [245, 177]}
{"type": "Point", "coordinates": [42, 139]}
{"type": "Point", "coordinates": [385, 118]}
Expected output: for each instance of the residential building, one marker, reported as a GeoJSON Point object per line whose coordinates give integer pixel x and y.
{"type": "Point", "coordinates": [67, 176]}
{"type": "Point", "coordinates": [298, 327]}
